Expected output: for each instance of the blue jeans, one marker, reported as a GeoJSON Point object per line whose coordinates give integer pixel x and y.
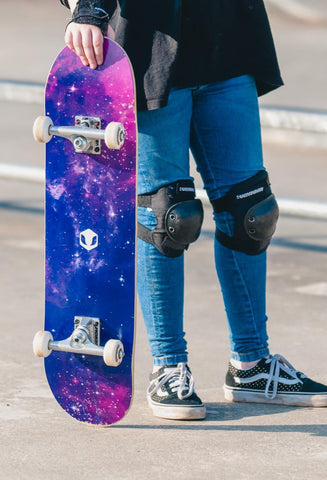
{"type": "Point", "coordinates": [220, 123]}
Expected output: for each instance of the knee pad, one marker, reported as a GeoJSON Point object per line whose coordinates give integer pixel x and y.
{"type": "Point", "coordinates": [179, 217]}
{"type": "Point", "coordinates": [255, 212]}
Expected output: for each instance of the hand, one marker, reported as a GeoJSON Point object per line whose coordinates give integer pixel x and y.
{"type": "Point", "coordinates": [87, 42]}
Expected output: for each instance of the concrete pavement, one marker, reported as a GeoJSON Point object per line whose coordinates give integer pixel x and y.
{"type": "Point", "coordinates": [39, 440]}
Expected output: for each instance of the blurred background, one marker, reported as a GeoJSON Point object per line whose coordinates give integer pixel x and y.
{"type": "Point", "coordinates": [32, 35]}
{"type": "Point", "coordinates": [294, 120]}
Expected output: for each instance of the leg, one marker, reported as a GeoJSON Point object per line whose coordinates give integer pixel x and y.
{"type": "Point", "coordinates": [163, 159]}
{"type": "Point", "coordinates": [226, 144]}
{"type": "Point", "coordinates": [227, 147]}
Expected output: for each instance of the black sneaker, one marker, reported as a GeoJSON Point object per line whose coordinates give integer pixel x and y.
{"type": "Point", "coordinates": [171, 394]}
{"type": "Point", "coordinates": [274, 380]}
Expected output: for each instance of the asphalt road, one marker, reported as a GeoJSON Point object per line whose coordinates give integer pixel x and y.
{"type": "Point", "coordinates": [38, 440]}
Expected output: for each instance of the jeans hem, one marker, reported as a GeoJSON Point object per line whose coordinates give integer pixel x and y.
{"type": "Point", "coordinates": [169, 360]}
{"type": "Point", "coordinates": [250, 357]}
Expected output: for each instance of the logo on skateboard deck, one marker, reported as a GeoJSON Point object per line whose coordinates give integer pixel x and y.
{"type": "Point", "coordinates": [88, 239]}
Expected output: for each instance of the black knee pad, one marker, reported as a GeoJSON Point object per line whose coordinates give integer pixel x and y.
{"type": "Point", "coordinates": [255, 212]}
{"type": "Point", "coordinates": [179, 217]}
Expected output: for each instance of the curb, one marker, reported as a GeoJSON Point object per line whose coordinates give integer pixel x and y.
{"type": "Point", "coordinates": [271, 117]}
{"type": "Point", "coordinates": [297, 11]}
{"type": "Point", "coordinates": [309, 121]}
{"type": "Point", "coordinates": [287, 206]}
{"type": "Point", "coordinates": [21, 92]}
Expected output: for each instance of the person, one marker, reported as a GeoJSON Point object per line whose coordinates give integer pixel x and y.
{"type": "Point", "coordinates": [199, 69]}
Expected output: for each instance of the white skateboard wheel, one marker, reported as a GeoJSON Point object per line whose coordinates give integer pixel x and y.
{"type": "Point", "coordinates": [41, 129]}
{"type": "Point", "coordinates": [114, 135]}
{"type": "Point", "coordinates": [113, 353]}
{"type": "Point", "coordinates": [41, 343]}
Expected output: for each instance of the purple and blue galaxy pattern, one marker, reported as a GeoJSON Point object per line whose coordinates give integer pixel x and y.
{"type": "Point", "coordinates": [95, 192]}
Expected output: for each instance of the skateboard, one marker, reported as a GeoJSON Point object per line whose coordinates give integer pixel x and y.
{"type": "Point", "coordinates": [90, 212]}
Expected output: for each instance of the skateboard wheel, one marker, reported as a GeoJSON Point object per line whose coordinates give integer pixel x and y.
{"type": "Point", "coordinates": [114, 135]}
{"type": "Point", "coordinates": [41, 343]}
{"type": "Point", "coordinates": [41, 129]}
{"type": "Point", "coordinates": [113, 353]}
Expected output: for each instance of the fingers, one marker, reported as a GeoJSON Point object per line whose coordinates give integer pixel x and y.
{"type": "Point", "coordinates": [97, 41]}
{"type": "Point", "coordinates": [87, 42]}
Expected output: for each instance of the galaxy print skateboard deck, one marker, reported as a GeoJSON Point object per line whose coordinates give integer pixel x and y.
{"type": "Point", "coordinates": [90, 132]}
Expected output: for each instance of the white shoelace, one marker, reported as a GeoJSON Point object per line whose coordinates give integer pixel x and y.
{"type": "Point", "coordinates": [278, 363]}
{"type": "Point", "coordinates": [179, 378]}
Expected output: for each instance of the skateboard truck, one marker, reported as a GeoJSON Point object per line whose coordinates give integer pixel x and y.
{"type": "Point", "coordinates": [84, 340]}
{"type": "Point", "coordinates": [86, 135]}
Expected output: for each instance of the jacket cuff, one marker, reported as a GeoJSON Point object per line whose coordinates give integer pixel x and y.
{"type": "Point", "coordinates": [91, 12]}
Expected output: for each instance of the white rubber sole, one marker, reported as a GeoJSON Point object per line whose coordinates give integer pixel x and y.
{"type": "Point", "coordinates": [293, 399]}
{"type": "Point", "coordinates": [177, 412]}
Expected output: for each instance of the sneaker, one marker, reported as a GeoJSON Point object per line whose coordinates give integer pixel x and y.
{"type": "Point", "coordinates": [171, 394]}
{"type": "Point", "coordinates": [274, 380]}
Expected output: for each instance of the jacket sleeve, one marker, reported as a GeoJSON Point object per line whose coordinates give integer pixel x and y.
{"type": "Point", "coordinates": [93, 12]}
{"type": "Point", "coordinates": [105, 4]}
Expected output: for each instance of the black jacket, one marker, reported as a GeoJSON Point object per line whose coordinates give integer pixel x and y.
{"type": "Point", "coordinates": [149, 31]}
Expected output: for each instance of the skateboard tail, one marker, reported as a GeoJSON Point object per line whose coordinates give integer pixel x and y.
{"type": "Point", "coordinates": [104, 401]}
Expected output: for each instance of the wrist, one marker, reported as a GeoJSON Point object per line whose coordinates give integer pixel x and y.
{"type": "Point", "coordinates": [92, 13]}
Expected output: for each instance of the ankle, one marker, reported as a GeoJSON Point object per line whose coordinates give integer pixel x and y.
{"type": "Point", "coordinates": [156, 368]}
{"type": "Point", "coordinates": [244, 365]}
